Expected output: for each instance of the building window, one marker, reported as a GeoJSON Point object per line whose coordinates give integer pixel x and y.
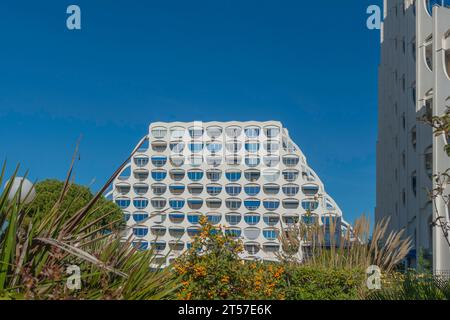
{"type": "Point", "coordinates": [140, 203]}
{"type": "Point", "coordinates": [233, 204]}
{"type": "Point", "coordinates": [193, 218]}
{"type": "Point", "coordinates": [159, 161]}
{"type": "Point", "coordinates": [177, 147]}
{"type": "Point", "coordinates": [271, 204]}
{"type": "Point", "coordinates": [252, 146]}
{"type": "Point", "coordinates": [252, 204]}
{"type": "Point", "coordinates": [271, 189]}
{"type": "Point", "coordinates": [290, 175]}
{"type": "Point", "coordinates": [414, 183]}
{"type": "Point", "coordinates": [234, 232]}
{"type": "Point", "coordinates": [252, 190]}
{"type": "Point", "coordinates": [141, 161]}
{"type": "Point", "coordinates": [140, 231]}
{"type": "Point", "coordinates": [123, 203]}
{"type": "Point", "coordinates": [428, 52]}
{"type": "Point", "coordinates": [196, 132]}
{"type": "Point", "coordinates": [195, 204]}
{"type": "Point", "coordinates": [290, 190]}
{"type": "Point", "coordinates": [159, 175]}
{"type": "Point", "coordinates": [214, 175]}
{"type": "Point", "coordinates": [428, 161]}
{"type": "Point", "coordinates": [233, 190]}
{"type": "Point", "coordinates": [447, 53]}
{"type": "Point", "coordinates": [414, 137]}
{"type": "Point", "coordinates": [252, 175]}
{"type": "Point", "coordinates": [252, 161]}
{"type": "Point", "coordinates": [270, 234]}
{"type": "Point", "coordinates": [159, 132]}
{"type": "Point", "coordinates": [214, 147]}
{"type": "Point", "coordinates": [195, 147]}
{"type": "Point", "coordinates": [214, 190]}
{"type": "Point", "coordinates": [310, 205]}
{"type": "Point", "coordinates": [233, 218]}
{"type": "Point", "coordinates": [271, 219]}
{"type": "Point", "coordinates": [271, 132]}
{"type": "Point", "coordinates": [252, 219]}
{"type": "Point", "coordinates": [233, 176]}
{"type": "Point", "coordinates": [195, 175]}
{"type": "Point", "coordinates": [214, 218]}
{"type": "Point", "coordinates": [176, 189]}
{"type": "Point", "coordinates": [252, 132]}
{"type": "Point", "coordinates": [214, 203]}
{"type": "Point", "coordinates": [176, 204]}
{"type": "Point", "coordinates": [177, 174]}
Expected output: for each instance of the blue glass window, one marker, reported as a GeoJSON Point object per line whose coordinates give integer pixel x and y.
{"type": "Point", "coordinates": [140, 216]}
{"type": "Point", "coordinates": [308, 219]}
{"type": "Point", "coordinates": [196, 147]}
{"type": "Point", "coordinates": [252, 132]}
{"type": "Point", "coordinates": [233, 219]}
{"type": "Point", "coordinates": [193, 218]}
{"type": "Point", "coordinates": [214, 219]}
{"type": "Point", "coordinates": [271, 204]}
{"type": "Point", "coordinates": [252, 219]}
{"type": "Point", "coordinates": [123, 203]}
{"type": "Point", "coordinates": [233, 232]}
{"type": "Point", "coordinates": [192, 232]}
{"type": "Point", "coordinates": [159, 175]}
{"type": "Point", "coordinates": [159, 161]}
{"type": "Point", "coordinates": [310, 204]}
{"type": "Point", "coordinates": [291, 190]}
{"type": "Point", "coordinates": [233, 204]}
{"type": "Point", "coordinates": [176, 204]}
{"type": "Point", "coordinates": [140, 203]}
{"type": "Point", "coordinates": [214, 190]}
{"type": "Point", "coordinates": [141, 161]}
{"type": "Point", "coordinates": [252, 147]}
{"type": "Point", "coordinates": [195, 175]}
{"type": "Point", "coordinates": [252, 161]}
{"type": "Point", "coordinates": [252, 205]}
{"type": "Point", "coordinates": [177, 147]}
{"type": "Point", "coordinates": [140, 231]}
{"type": "Point", "coordinates": [233, 176]}
{"type": "Point", "coordinates": [214, 147]}
{"type": "Point", "coordinates": [233, 190]}
{"type": "Point", "coordinates": [252, 190]}
{"type": "Point", "coordinates": [290, 175]}
{"type": "Point", "coordinates": [270, 234]}
{"type": "Point", "coordinates": [126, 216]}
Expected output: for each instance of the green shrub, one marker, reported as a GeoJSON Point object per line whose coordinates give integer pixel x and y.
{"type": "Point", "coordinates": [412, 286]}
{"type": "Point", "coordinates": [312, 283]}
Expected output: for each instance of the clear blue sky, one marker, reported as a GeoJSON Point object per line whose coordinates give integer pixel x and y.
{"type": "Point", "coordinates": [309, 64]}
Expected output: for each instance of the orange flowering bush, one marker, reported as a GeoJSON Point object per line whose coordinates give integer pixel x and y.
{"type": "Point", "coordinates": [212, 269]}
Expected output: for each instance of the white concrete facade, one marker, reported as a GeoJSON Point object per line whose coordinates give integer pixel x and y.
{"type": "Point", "coordinates": [414, 83]}
{"type": "Point", "coordinates": [249, 177]}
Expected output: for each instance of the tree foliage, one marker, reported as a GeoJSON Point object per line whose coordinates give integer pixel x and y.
{"type": "Point", "coordinates": [48, 192]}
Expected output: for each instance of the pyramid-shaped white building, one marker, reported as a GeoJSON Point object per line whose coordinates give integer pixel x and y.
{"type": "Point", "coordinates": [248, 177]}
